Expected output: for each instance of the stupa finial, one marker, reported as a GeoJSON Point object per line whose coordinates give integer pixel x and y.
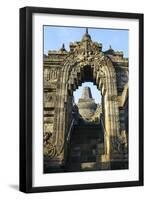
{"type": "Point", "coordinates": [86, 36]}
{"type": "Point", "coordinates": [63, 48]}
{"type": "Point", "coordinates": [86, 93]}
{"type": "Point", "coordinates": [86, 30]}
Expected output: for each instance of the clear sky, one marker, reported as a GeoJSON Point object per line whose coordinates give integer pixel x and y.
{"type": "Point", "coordinates": [54, 37]}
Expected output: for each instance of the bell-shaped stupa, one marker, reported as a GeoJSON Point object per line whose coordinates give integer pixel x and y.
{"type": "Point", "coordinates": [86, 104]}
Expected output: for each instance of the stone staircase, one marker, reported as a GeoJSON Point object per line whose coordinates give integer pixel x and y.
{"type": "Point", "coordinates": [83, 148]}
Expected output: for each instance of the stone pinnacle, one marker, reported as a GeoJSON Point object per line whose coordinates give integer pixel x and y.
{"type": "Point", "coordinates": [86, 93]}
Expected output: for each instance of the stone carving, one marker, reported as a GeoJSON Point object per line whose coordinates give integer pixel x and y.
{"type": "Point", "coordinates": [97, 114]}
{"type": "Point", "coordinates": [49, 149]}
{"type": "Point", "coordinates": [112, 98]}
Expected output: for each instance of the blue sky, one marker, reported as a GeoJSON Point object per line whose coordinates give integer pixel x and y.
{"type": "Point", "coordinates": [54, 37]}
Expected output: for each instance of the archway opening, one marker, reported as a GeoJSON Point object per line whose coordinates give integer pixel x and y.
{"type": "Point", "coordinates": [87, 138]}
{"type": "Point", "coordinates": [96, 94]}
{"type": "Point", "coordinates": [88, 100]}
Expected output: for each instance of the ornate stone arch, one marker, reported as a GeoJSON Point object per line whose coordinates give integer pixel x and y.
{"type": "Point", "coordinates": [105, 78]}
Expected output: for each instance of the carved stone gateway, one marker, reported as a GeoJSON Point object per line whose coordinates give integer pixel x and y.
{"type": "Point", "coordinates": [64, 71]}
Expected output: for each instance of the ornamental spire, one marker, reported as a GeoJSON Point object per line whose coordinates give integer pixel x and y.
{"type": "Point", "coordinates": [86, 36]}
{"type": "Point", "coordinates": [110, 47]}
{"type": "Point", "coordinates": [86, 93]}
{"type": "Point", "coordinates": [86, 30]}
{"type": "Point", "coordinates": [63, 48]}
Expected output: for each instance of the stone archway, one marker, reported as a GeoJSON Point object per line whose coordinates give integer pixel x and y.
{"type": "Point", "coordinates": [83, 54]}
{"type": "Point", "coordinates": [105, 79]}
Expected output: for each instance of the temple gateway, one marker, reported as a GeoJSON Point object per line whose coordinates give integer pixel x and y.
{"type": "Point", "coordinates": [86, 135]}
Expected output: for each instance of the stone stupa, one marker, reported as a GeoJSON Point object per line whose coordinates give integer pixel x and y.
{"type": "Point", "coordinates": [86, 105]}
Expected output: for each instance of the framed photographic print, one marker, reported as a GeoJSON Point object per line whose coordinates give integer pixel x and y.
{"type": "Point", "coordinates": [81, 99]}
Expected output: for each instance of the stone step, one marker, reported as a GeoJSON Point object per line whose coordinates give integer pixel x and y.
{"type": "Point", "coordinates": [86, 134]}
{"type": "Point", "coordinates": [80, 135]}
{"type": "Point", "coordinates": [88, 126]}
{"type": "Point", "coordinates": [87, 129]}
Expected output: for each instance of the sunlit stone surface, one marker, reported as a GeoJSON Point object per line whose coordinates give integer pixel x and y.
{"type": "Point", "coordinates": [86, 104]}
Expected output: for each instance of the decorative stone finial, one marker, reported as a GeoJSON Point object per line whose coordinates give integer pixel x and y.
{"type": "Point", "coordinates": [86, 93]}
{"type": "Point", "coordinates": [86, 36]}
{"type": "Point", "coordinates": [110, 51]}
{"type": "Point", "coordinates": [87, 30]}
{"type": "Point", "coordinates": [63, 48]}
